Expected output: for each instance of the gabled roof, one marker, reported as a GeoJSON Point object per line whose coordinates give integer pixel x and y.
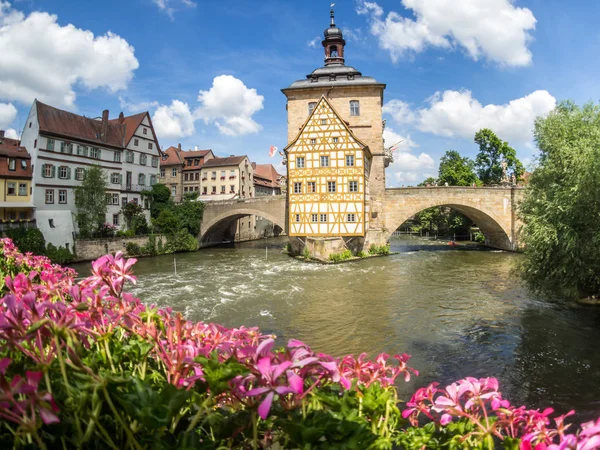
{"type": "Point", "coordinates": [68, 125]}
{"type": "Point", "coordinates": [195, 153]}
{"type": "Point", "coordinates": [11, 148]}
{"type": "Point", "coordinates": [173, 157]}
{"type": "Point", "coordinates": [131, 124]}
{"type": "Point", "coordinates": [221, 162]}
{"type": "Point", "coordinates": [337, 115]}
{"type": "Point", "coordinates": [266, 175]}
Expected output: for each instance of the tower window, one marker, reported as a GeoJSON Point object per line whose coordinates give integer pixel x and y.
{"type": "Point", "coordinates": [311, 107]}
{"type": "Point", "coordinates": [354, 108]}
{"type": "Point", "coordinates": [333, 52]}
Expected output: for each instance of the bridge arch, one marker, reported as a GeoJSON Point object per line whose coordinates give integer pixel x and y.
{"type": "Point", "coordinates": [226, 218]}
{"type": "Point", "coordinates": [492, 212]}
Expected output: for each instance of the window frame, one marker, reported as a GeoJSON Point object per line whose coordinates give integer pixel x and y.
{"type": "Point", "coordinates": [354, 108]}
{"type": "Point", "coordinates": [62, 192]}
{"type": "Point", "coordinates": [324, 158]}
{"type": "Point", "coordinates": [352, 183]}
{"type": "Point", "coordinates": [297, 187]}
{"type": "Point", "coordinates": [331, 186]}
{"type": "Point", "coordinates": [300, 162]}
{"type": "Point", "coordinates": [51, 196]}
{"type": "Point", "coordinates": [323, 218]}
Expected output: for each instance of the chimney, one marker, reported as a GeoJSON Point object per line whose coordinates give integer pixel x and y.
{"type": "Point", "coordinates": [1, 134]}
{"type": "Point", "coordinates": [196, 148]}
{"type": "Point", "coordinates": [104, 129]}
{"type": "Point", "coordinates": [121, 117]}
{"type": "Point", "coordinates": [179, 146]}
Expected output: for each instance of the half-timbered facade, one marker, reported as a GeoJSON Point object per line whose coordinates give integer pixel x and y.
{"type": "Point", "coordinates": [328, 177]}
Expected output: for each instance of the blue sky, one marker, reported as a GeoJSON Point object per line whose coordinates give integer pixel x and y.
{"type": "Point", "coordinates": [210, 72]}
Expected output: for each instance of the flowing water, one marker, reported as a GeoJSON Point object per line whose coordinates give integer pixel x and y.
{"type": "Point", "coordinates": [459, 312]}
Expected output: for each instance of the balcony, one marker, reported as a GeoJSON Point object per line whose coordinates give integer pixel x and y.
{"type": "Point", "coordinates": [135, 187]}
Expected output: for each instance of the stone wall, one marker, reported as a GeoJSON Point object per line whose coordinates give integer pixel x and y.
{"type": "Point", "coordinates": [88, 250]}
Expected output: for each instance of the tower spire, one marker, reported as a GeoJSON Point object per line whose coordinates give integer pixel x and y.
{"type": "Point", "coordinates": [334, 42]}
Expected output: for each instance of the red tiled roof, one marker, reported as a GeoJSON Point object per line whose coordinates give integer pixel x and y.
{"type": "Point", "coordinates": [11, 148]}
{"type": "Point", "coordinates": [66, 124]}
{"type": "Point", "coordinates": [195, 154]}
{"type": "Point", "coordinates": [173, 157]}
{"type": "Point", "coordinates": [221, 162]}
{"type": "Point", "coordinates": [131, 124]}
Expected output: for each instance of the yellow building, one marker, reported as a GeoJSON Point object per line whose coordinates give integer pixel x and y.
{"type": "Point", "coordinates": [336, 112]}
{"type": "Point", "coordinates": [15, 181]}
{"type": "Point", "coordinates": [328, 176]}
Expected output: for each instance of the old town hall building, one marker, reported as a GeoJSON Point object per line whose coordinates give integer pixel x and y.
{"type": "Point", "coordinates": [335, 155]}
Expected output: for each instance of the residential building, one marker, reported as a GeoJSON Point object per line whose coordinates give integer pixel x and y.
{"type": "Point", "coordinates": [192, 170]}
{"type": "Point", "coordinates": [226, 178]}
{"type": "Point", "coordinates": [171, 167]}
{"type": "Point", "coordinates": [266, 180]}
{"type": "Point", "coordinates": [15, 180]}
{"type": "Point", "coordinates": [63, 145]}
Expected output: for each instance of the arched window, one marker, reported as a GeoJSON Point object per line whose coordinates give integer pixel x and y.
{"type": "Point", "coordinates": [354, 108]}
{"type": "Point", "coordinates": [333, 51]}
{"type": "Point", "coordinates": [311, 107]}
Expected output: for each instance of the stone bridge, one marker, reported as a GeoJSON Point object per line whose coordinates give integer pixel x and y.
{"type": "Point", "coordinates": [493, 209]}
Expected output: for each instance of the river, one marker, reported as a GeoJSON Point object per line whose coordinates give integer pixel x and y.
{"type": "Point", "coordinates": [459, 312]}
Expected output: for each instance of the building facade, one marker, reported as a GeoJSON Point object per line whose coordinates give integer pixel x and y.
{"type": "Point", "coordinates": [266, 180]}
{"type": "Point", "coordinates": [192, 170]}
{"type": "Point", "coordinates": [351, 99]}
{"type": "Point", "coordinates": [15, 181]}
{"type": "Point", "coordinates": [64, 145]}
{"type": "Point", "coordinates": [328, 174]}
{"type": "Point", "coordinates": [227, 178]}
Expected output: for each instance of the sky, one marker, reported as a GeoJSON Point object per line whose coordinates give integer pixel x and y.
{"type": "Point", "coordinates": [211, 72]}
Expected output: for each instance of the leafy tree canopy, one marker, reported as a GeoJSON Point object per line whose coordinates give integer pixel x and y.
{"type": "Point", "coordinates": [90, 200]}
{"type": "Point", "coordinates": [561, 210]}
{"type": "Point", "coordinates": [492, 150]}
{"type": "Point", "coordinates": [456, 170]}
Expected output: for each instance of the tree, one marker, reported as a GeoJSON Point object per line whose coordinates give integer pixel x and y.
{"type": "Point", "coordinates": [90, 200]}
{"type": "Point", "coordinates": [189, 214]}
{"type": "Point", "coordinates": [456, 170]}
{"type": "Point", "coordinates": [561, 210]}
{"type": "Point", "coordinates": [492, 150]}
{"type": "Point", "coordinates": [160, 199]}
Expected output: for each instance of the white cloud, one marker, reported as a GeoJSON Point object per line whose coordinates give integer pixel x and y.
{"type": "Point", "coordinates": [11, 133]}
{"type": "Point", "coordinates": [174, 121]}
{"type": "Point", "coordinates": [458, 114]}
{"type": "Point", "coordinates": [230, 105]}
{"type": "Point", "coordinates": [8, 113]}
{"type": "Point", "coordinates": [127, 105]}
{"type": "Point", "coordinates": [494, 29]}
{"type": "Point", "coordinates": [42, 59]}
{"type": "Point", "coordinates": [392, 138]}
{"type": "Point", "coordinates": [170, 6]}
{"type": "Point", "coordinates": [314, 43]}
{"type": "Point", "coordinates": [399, 110]}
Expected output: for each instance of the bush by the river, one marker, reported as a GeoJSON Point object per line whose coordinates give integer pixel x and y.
{"type": "Point", "coordinates": [381, 250]}
{"type": "Point", "coordinates": [85, 365]}
{"type": "Point", "coordinates": [561, 209]}
{"type": "Point", "coordinates": [32, 240]}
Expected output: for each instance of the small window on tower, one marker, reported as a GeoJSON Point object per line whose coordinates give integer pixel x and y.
{"type": "Point", "coordinates": [333, 51]}
{"type": "Point", "coordinates": [311, 107]}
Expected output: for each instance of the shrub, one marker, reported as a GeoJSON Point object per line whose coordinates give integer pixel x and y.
{"type": "Point", "coordinates": [60, 255]}
{"type": "Point", "coordinates": [125, 233]}
{"type": "Point", "coordinates": [28, 239]}
{"type": "Point", "coordinates": [306, 253]}
{"type": "Point", "coordinates": [381, 250]}
{"type": "Point", "coordinates": [133, 249]}
{"type": "Point", "coordinates": [362, 254]}
{"type": "Point", "coordinates": [96, 368]}
{"type": "Point", "coordinates": [339, 257]}
{"type": "Point", "coordinates": [182, 241]}
{"type": "Point", "coordinates": [479, 237]}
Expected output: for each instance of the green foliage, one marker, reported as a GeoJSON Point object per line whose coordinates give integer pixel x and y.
{"type": "Point", "coordinates": [431, 181]}
{"type": "Point", "coordinates": [287, 248]}
{"type": "Point", "coordinates": [306, 253]}
{"type": "Point", "coordinates": [561, 207]}
{"type": "Point", "coordinates": [381, 250]}
{"type": "Point", "coordinates": [189, 214]}
{"type": "Point", "coordinates": [492, 150]}
{"type": "Point", "coordinates": [133, 249]}
{"type": "Point", "coordinates": [479, 237]}
{"type": "Point", "coordinates": [28, 239]}
{"type": "Point", "coordinates": [90, 200]}
{"type": "Point", "coordinates": [167, 222]}
{"type": "Point", "coordinates": [456, 170]}
{"type": "Point", "coordinates": [60, 255]}
{"type": "Point", "coordinates": [181, 241]}
{"type": "Point", "coordinates": [160, 198]}
{"type": "Point", "coordinates": [339, 257]}
{"type": "Point", "coordinates": [190, 196]}
{"type": "Point", "coordinates": [362, 254]}
{"type": "Point", "coordinates": [442, 220]}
